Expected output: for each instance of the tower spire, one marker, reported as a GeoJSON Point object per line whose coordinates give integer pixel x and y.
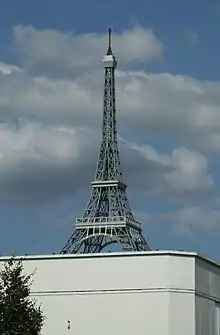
{"type": "Point", "coordinates": [108, 217]}
{"type": "Point", "coordinates": [109, 51]}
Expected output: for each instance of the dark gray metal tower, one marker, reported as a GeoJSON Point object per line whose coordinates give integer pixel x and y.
{"type": "Point", "coordinates": [108, 218]}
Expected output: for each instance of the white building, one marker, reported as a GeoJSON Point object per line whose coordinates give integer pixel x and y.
{"type": "Point", "coordinates": [153, 293]}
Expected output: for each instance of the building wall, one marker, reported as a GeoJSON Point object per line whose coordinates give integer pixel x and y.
{"type": "Point", "coordinates": [114, 295]}
{"type": "Point", "coordinates": [146, 293]}
{"type": "Point", "coordinates": [181, 313]}
{"type": "Point", "coordinates": [207, 282]}
{"type": "Point", "coordinates": [126, 313]}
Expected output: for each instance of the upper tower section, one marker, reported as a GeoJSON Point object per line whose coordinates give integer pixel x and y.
{"type": "Point", "coordinates": [109, 59]}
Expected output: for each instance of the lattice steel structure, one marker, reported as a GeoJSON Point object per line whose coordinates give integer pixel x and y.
{"type": "Point", "coordinates": [108, 218]}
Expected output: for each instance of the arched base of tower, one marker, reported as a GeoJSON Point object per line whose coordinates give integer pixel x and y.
{"type": "Point", "coordinates": [92, 240]}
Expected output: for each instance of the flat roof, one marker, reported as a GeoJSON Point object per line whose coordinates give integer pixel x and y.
{"type": "Point", "coordinates": [113, 254]}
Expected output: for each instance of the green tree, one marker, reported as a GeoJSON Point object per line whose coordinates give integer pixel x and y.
{"type": "Point", "coordinates": [19, 314]}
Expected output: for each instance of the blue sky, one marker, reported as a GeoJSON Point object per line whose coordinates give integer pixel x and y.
{"type": "Point", "coordinates": [168, 88]}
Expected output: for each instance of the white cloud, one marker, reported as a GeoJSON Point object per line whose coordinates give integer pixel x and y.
{"type": "Point", "coordinates": [179, 107]}
{"type": "Point", "coordinates": [48, 161]}
{"type": "Point", "coordinates": [7, 69]}
{"type": "Point", "coordinates": [51, 52]}
{"type": "Point", "coordinates": [183, 171]}
{"type": "Point", "coordinates": [152, 103]}
{"type": "Point", "coordinates": [188, 221]}
{"type": "Point", "coordinates": [190, 171]}
{"type": "Point", "coordinates": [170, 105]}
{"type": "Point", "coordinates": [38, 161]}
{"type": "Point", "coordinates": [51, 86]}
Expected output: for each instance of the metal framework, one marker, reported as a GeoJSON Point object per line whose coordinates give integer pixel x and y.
{"type": "Point", "coordinates": [108, 217]}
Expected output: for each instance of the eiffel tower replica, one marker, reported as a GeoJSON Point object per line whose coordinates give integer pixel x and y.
{"type": "Point", "coordinates": [108, 218]}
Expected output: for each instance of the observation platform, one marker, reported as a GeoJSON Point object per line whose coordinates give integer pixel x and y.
{"type": "Point", "coordinates": [103, 222]}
